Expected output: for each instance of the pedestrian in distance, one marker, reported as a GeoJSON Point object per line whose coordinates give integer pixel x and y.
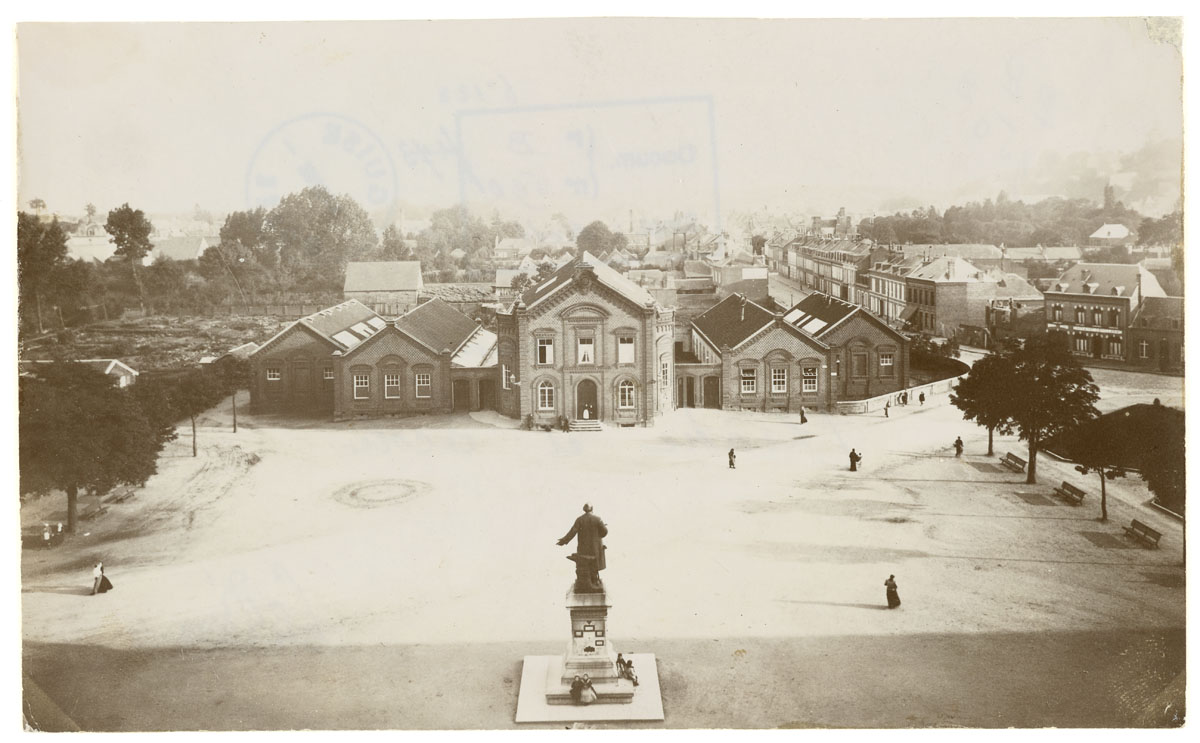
{"type": "Point", "coordinates": [921, 397]}
{"type": "Point", "coordinates": [886, 407]}
{"type": "Point", "coordinates": [803, 417]}
{"type": "Point", "coordinates": [732, 457]}
{"type": "Point", "coordinates": [855, 458]}
{"type": "Point", "coordinates": [958, 447]}
{"type": "Point", "coordinates": [893, 594]}
{"type": "Point", "coordinates": [100, 581]}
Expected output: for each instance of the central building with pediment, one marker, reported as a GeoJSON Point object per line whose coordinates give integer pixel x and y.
{"type": "Point", "coordinates": [585, 344]}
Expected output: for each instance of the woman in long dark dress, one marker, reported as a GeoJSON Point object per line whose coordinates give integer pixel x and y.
{"type": "Point", "coordinates": [893, 595]}
{"type": "Point", "coordinates": [105, 584]}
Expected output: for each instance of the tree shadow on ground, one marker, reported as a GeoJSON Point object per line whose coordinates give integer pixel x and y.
{"type": "Point", "coordinates": [836, 603]}
{"type": "Point", "coordinates": [60, 590]}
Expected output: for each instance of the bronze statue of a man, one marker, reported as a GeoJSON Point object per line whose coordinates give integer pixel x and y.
{"type": "Point", "coordinates": [589, 550]}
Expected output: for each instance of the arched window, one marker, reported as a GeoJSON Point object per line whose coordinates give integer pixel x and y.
{"type": "Point", "coordinates": [545, 395]}
{"type": "Point", "coordinates": [625, 396]}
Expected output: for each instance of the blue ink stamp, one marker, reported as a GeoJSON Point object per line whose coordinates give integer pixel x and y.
{"type": "Point", "coordinates": [657, 153]}
{"type": "Point", "coordinates": [324, 149]}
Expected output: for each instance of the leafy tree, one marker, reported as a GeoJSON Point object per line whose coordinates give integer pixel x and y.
{"type": "Point", "coordinates": [521, 283]}
{"type": "Point", "coordinates": [41, 252]}
{"type": "Point", "coordinates": [392, 247]}
{"type": "Point", "coordinates": [315, 234]}
{"type": "Point", "coordinates": [130, 231]}
{"type": "Point", "coordinates": [1098, 446]}
{"type": "Point", "coordinates": [1049, 393]}
{"type": "Point", "coordinates": [595, 238]}
{"type": "Point", "coordinates": [195, 393]}
{"type": "Point", "coordinates": [984, 394]}
{"type": "Point", "coordinates": [91, 210]}
{"type": "Point", "coordinates": [78, 431]}
{"type": "Point", "coordinates": [234, 374]}
{"type": "Point", "coordinates": [1161, 459]}
{"type": "Point", "coordinates": [37, 205]}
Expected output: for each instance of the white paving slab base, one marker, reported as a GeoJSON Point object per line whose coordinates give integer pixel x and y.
{"type": "Point", "coordinates": [532, 706]}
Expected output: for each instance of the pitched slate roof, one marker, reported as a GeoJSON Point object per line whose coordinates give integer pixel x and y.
{"type": "Point", "coordinates": [1014, 286]}
{"type": "Point", "coordinates": [946, 269]}
{"type": "Point", "coordinates": [817, 313]}
{"type": "Point", "coordinates": [179, 248]}
{"type": "Point", "coordinates": [1108, 279]}
{"type": "Point", "coordinates": [1156, 309]}
{"type": "Point", "coordinates": [732, 320]}
{"type": "Point", "coordinates": [604, 274]}
{"type": "Point", "coordinates": [459, 292]}
{"type": "Point", "coordinates": [696, 269]}
{"type": "Point", "coordinates": [1111, 232]}
{"type": "Point", "coordinates": [969, 251]}
{"type": "Point", "coordinates": [438, 325]}
{"type": "Point", "coordinates": [344, 325]}
{"type": "Point", "coordinates": [383, 276]}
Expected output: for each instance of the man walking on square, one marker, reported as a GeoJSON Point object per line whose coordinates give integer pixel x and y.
{"type": "Point", "coordinates": [958, 447]}
{"type": "Point", "coordinates": [855, 458]}
{"type": "Point", "coordinates": [732, 457]}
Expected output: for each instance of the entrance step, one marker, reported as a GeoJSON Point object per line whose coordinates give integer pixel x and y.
{"type": "Point", "coordinates": [588, 425]}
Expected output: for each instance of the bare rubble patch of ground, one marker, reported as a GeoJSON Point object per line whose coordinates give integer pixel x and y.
{"type": "Point", "coordinates": [156, 342]}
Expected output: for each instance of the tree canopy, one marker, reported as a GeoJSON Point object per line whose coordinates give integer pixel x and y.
{"type": "Point", "coordinates": [314, 234]}
{"type": "Point", "coordinates": [78, 431]}
{"type": "Point", "coordinates": [597, 238]}
{"type": "Point", "coordinates": [983, 395]}
{"type": "Point", "coordinates": [1050, 392]}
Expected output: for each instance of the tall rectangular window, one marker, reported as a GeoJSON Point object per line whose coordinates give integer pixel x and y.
{"type": "Point", "coordinates": [626, 400]}
{"type": "Point", "coordinates": [424, 383]}
{"type": "Point", "coordinates": [1116, 347]}
{"type": "Point", "coordinates": [1143, 349]}
{"type": "Point", "coordinates": [779, 380]}
{"type": "Point", "coordinates": [749, 381]}
{"type": "Point", "coordinates": [859, 364]}
{"type": "Point", "coordinates": [504, 380]}
{"type": "Point", "coordinates": [391, 386]}
{"type": "Point", "coordinates": [273, 374]}
{"type": "Point", "coordinates": [362, 386]}
{"type": "Point", "coordinates": [1080, 316]}
{"type": "Point", "coordinates": [1097, 318]}
{"type": "Point", "coordinates": [587, 347]}
{"type": "Point", "coordinates": [625, 350]}
{"type": "Point", "coordinates": [1082, 344]}
{"type": "Point", "coordinates": [809, 375]}
{"type": "Point", "coordinates": [887, 364]}
{"type": "Point", "coordinates": [545, 351]}
{"type": "Point", "coordinates": [666, 373]}
{"type": "Point", "coordinates": [1057, 313]}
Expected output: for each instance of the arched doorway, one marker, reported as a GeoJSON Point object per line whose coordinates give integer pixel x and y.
{"type": "Point", "coordinates": [585, 401]}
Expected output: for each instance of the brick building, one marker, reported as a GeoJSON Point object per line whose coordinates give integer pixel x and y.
{"type": "Point", "coordinates": [586, 344]}
{"type": "Point", "coordinates": [1092, 305]}
{"type": "Point", "coordinates": [745, 356]}
{"type": "Point", "coordinates": [348, 362]}
{"type": "Point", "coordinates": [1156, 335]}
{"type": "Point", "coordinates": [947, 292]}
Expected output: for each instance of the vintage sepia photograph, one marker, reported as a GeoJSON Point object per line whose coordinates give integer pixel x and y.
{"type": "Point", "coordinates": [609, 373]}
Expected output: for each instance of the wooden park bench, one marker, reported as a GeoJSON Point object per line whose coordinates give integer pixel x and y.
{"type": "Point", "coordinates": [1069, 492]}
{"type": "Point", "coordinates": [92, 510]}
{"type": "Point", "coordinates": [120, 495]}
{"type": "Point", "coordinates": [1143, 533]}
{"type": "Point", "coordinates": [1013, 462]}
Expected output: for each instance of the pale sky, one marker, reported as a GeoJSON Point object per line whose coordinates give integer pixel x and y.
{"type": "Point", "coordinates": [593, 118]}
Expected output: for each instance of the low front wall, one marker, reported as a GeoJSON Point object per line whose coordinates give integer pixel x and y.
{"type": "Point", "coordinates": [873, 404]}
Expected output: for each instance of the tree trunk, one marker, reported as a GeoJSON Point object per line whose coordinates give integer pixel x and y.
{"type": "Point", "coordinates": [1031, 478]}
{"type": "Point", "coordinates": [137, 279]}
{"type": "Point", "coordinates": [72, 500]}
{"type": "Point", "coordinates": [1103, 497]}
{"type": "Point", "coordinates": [193, 435]}
{"type": "Point", "coordinates": [235, 411]}
{"type": "Point", "coordinates": [991, 430]}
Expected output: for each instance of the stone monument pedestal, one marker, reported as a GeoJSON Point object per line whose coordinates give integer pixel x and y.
{"type": "Point", "coordinates": [545, 694]}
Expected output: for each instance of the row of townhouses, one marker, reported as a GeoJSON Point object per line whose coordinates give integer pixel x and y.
{"type": "Point", "coordinates": [1109, 313]}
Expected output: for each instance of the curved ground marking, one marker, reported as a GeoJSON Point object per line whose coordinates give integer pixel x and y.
{"type": "Point", "coordinates": [378, 493]}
